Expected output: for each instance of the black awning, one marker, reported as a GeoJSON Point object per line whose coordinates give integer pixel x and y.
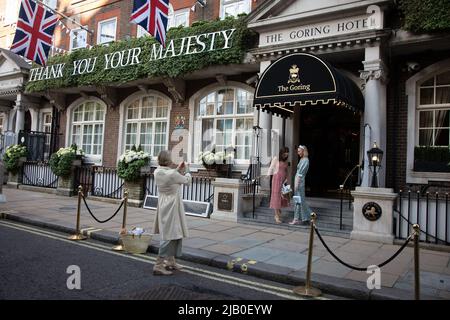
{"type": "Point", "coordinates": [303, 79]}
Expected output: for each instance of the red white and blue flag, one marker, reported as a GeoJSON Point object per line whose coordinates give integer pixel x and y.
{"type": "Point", "coordinates": [152, 15]}
{"type": "Point", "coordinates": [34, 32]}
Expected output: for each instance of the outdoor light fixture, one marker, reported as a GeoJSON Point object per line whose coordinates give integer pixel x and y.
{"type": "Point", "coordinates": [375, 156]}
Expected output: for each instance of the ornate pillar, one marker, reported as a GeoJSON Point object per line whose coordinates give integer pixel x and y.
{"type": "Point", "coordinates": [20, 113]}
{"type": "Point", "coordinates": [375, 122]}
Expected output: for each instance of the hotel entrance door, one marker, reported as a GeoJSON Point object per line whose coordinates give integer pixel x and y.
{"type": "Point", "coordinates": [332, 136]}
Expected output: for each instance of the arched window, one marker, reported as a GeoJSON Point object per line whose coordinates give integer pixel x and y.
{"type": "Point", "coordinates": [433, 111]}
{"type": "Point", "coordinates": [87, 129]}
{"type": "Point", "coordinates": [224, 119]}
{"type": "Point", "coordinates": [147, 124]}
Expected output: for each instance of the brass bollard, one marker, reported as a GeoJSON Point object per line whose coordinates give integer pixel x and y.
{"type": "Point", "coordinates": [78, 236]}
{"type": "Point", "coordinates": [307, 290]}
{"type": "Point", "coordinates": [416, 262]}
{"type": "Point", "coordinates": [120, 246]}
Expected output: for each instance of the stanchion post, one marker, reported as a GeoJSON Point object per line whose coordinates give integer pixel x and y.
{"type": "Point", "coordinates": [120, 246]}
{"type": "Point", "coordinates": [416, 229]}
{"type": "Point", "coordinates": [307, 290]}
{"type": "Point", "coordinates": [78, 236]}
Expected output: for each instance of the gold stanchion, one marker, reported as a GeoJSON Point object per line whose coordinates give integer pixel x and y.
{"type": "Point", "coordinates": [307, 290]}
{"type": "Point", "coordinates": [416, 262]}
{"type": "Point", "coordinates": [78, 236]}
{"type": "Point", "coordinates": [120, 247]}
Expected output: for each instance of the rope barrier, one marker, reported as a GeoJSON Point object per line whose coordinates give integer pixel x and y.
{"type": "Point", "coordinates": [101, 221]}
{"type": "Point", "coordinates": [424, 232]}
{"type": "Point", "coordinates": [359, 268]}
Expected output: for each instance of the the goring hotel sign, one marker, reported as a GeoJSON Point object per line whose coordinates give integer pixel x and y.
{"type": "Point", "coordinates": [189, 45]}
{"type": "Point", "coordinates": [371, 21]}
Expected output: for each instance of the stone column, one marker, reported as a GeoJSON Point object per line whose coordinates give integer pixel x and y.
{"type": "Point", "coordinates": [228, 199]}
{"type": "Point", "coordinates": [374, 74]}
{"type": "Point", "coordinates": [20, 114]}
{"type": "Point", "coordinates": [373, 214]}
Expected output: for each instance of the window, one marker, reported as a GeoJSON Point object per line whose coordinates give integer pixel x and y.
{"type": "Point", "coordinates": [433, 111]}
{"type": "Point", "coordinates": [87, 129]}
{"type": "Point", "coordinates": [78, 39]}
{"type": "Point", "coordinates": [178, 18]}
{"type": "Point", "coordinates": [234, 7]}
{"type": "Point", "coordinates": [147, 124]}
{"type": "Point", "coordinates": [226, 120]}
{"type": "Point", "coordinates": [106, 31]}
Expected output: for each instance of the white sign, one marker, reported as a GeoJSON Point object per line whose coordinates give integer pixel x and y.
{"type": "Point", "coordinates": [177, 47]}
{"type": "Point", "coordinates": [349, 25]}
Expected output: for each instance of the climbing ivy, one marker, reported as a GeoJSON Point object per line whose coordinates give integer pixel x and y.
{"type": "Point", "coordinates": [243, 39]}
{"type": "Point", "coordinates": [425, 15]}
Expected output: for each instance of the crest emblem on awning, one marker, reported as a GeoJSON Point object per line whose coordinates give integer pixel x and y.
{"type": "Point", "coordinates": [293, 76]}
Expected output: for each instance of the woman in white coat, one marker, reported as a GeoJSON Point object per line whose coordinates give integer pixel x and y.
{"type": "Point", "coordinates": [170, 220]}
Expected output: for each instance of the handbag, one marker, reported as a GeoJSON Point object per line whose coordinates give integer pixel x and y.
{"type": "Point", "coordinates": [286, 191]}
{"type": "Point", "coordinates": [297, 200]}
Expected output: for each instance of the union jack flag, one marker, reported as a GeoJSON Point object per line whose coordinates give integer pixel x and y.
{"type": "Point", "coordinates": [152, 15]}
{"type": "Point", "coordinates": [34, 32]}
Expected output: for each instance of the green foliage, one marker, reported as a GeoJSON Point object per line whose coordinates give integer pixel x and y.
{"type": "Point", "coordinates": [433, 154]}
{"type": "Point", "coordinates": [131, 162]}
{"type": "Point", "coordinates": [12, 156]}
{"type": "Point", "coordinates": [62, 160]}
{"type": "Point", "coordinates": [425, 15]}
{"type": "Point", "coordinates": [243, 39]}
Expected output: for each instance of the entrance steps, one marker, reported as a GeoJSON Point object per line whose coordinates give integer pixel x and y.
{"type": "Point", "coordinates": [328, 217]}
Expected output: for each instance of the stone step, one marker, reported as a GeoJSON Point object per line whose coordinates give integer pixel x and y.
{"type": "Point", "coordinates": [332, 223]}
{"type": "Point", "coordinates": [322, 212]}
{"type": "Point", "coordinates": [325, 230]}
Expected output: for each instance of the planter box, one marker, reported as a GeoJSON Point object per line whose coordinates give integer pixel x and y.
{"type": "Point", "coordinates": [65, 186]}
{"type": "Point", "coordinates": [136, 192]}
{"type": "Point", "coordinates": [14, 178]}
{"type": "Point", "coordinates": [431, 166]}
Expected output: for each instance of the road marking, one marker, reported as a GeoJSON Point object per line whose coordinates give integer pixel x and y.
{"type": "Point", "coordinates": [278, 291]}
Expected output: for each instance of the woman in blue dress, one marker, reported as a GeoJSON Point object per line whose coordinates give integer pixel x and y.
{"type": "Point", "coordinates": [302, 210]}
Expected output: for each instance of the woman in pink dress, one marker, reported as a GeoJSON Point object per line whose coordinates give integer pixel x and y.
{"type": "Point", "coordinates": [279, 168]}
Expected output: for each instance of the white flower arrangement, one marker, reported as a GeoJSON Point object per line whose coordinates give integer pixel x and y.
{"type": "Point", "coordinates": [131, 155]}
{"type": "Point", "coordinates": [15, 149]}
{"type": "Point", "coordinates": [73, 149]}
{"type": "Point", "coordinates": [210, 158]}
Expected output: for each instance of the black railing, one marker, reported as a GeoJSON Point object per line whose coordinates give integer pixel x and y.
{"type": "Point", "coordinates": [345, 190]}
{"type": "Point", "coordinates": [106, 183]}
{"type": "Point", "coordinates": [252, 182]}
{"type": "Point", "coordinates": [99, 181]}
{"type": "Point", "coordinates": [200, 189]}
{"type": "Point", "coordinates": [429, 210]}
{"type": "Point", "coordinates": [39, 174]}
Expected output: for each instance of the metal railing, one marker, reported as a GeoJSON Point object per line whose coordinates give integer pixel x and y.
{"type": "Point", "coordinates": [200, 189]}
{"type": "Point", "coordinates": [39, 174]}
{"type": "Point", "coordinates": [346, 192]}
{"type": "Point", "coordinates": [252, 182]}
{"type": "Point", "coordinates": [99, 181]}
{"type": "Point", "coordinates": [40, 145]}
{"type": "Point", "coordinates": [429, 210]}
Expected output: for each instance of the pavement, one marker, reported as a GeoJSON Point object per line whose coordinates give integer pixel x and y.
{"type": "Point", "coordinates": [272, 253]}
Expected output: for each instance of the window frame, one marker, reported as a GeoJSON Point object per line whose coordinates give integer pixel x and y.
{"type": "Point", "coordinates": [89, 158]}
{"type": "Point", "coordinates": [215, 117]}
{"type": "Point", "coordinates": [124, 115]}
{"type": "Point", "coordinates": [71, 48]}
{"type": "Point", "coordinates": [99, 33]}
{"type": "Point", "coordinates": [226, 3]}
{"type": "Point", "coordinates": [412, 87]}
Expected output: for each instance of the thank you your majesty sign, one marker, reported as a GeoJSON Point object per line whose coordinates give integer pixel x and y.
{"type": "Point", "coordinates": [189, 45]}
